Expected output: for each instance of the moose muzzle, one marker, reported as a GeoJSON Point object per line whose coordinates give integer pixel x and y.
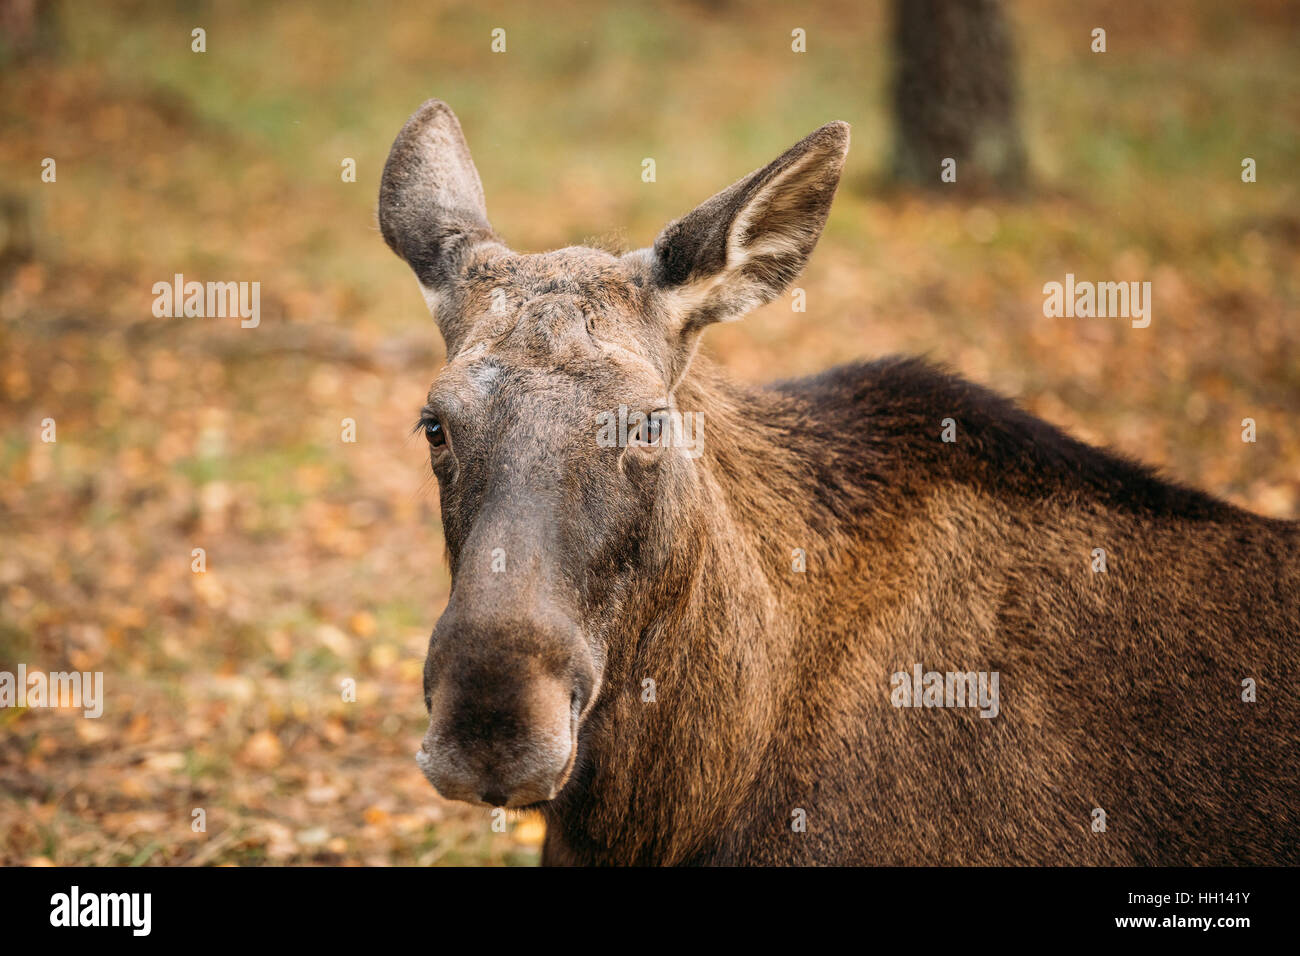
{"type": "Point", "coordinates": [505, 701]}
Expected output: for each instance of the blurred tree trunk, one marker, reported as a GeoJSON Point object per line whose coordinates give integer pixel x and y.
{"type": "Point", "coordinates": [17, 244]}
{"type": "Point", "coordinates": [955, 93]}
{"type": "Point", "coordinates": [27, 28]}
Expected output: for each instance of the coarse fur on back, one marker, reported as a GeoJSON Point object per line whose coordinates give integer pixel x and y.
{"type": "Point", "coordinates": [686, 654]}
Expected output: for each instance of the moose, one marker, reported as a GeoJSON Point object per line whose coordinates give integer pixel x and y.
{"type": "Point", "coordinates": [684, 659]}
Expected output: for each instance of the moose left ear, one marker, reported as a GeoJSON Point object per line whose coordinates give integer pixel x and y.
{"type": "Point", "coordinates": [431, 208]}
{"type": "Point", "coordinates": [744, 247]}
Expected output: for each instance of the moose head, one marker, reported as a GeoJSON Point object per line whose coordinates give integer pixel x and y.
{"type": "Point", "coordinates": [549, 529]}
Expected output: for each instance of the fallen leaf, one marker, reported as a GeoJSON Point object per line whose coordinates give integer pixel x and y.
{"type": "Point", "coordinates": [263, 750]}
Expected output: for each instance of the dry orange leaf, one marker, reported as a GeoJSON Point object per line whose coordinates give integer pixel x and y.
{"type": "Point", "coordinates": [263, 750]}
{"type": "Point", "coordinates": [530, 832]}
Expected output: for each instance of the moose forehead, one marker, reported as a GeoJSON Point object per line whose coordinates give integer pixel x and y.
{"type": "Point", "coordinates": [588, 278]}
{"type": "Point", "coordinates": [578, 313]}
{"type": "Point", "coordinates": [570, 307]}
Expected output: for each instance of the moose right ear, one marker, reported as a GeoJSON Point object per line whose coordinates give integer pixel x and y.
{"type": "Point", "coordinates": [745, 246]}
{"type": "Point", "coordinates": [431, 208]}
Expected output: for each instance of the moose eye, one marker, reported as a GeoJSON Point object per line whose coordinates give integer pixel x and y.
{"type": "Point", "coordinates": [434, 432]}
{"type": "Point", "coordinates": [651, 428]}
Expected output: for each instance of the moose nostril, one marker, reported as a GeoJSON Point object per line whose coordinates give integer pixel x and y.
{"type": "Point", "coordinates": [494, 798]}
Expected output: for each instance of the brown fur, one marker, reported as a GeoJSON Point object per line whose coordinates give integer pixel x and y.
{"type": "Point", "coordinates": [1119, 690]}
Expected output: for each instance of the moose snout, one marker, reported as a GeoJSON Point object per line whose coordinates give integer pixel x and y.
{"type": "Point", "coordinates": [503, 720]}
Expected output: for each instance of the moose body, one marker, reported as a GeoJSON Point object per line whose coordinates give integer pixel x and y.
{"type": "Point", "coordinates": [687, 659]}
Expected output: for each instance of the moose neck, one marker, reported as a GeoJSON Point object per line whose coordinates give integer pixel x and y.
{"type": "Point", "coordinates": [757, 512]}
{"type": "Point", "coordinates": [699, 683]}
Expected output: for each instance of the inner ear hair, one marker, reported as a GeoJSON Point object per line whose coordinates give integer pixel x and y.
{"type": "Point", "coordinates": [743, 247]}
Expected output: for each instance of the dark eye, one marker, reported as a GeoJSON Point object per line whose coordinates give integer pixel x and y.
{"type": "Point", "coordinates": [433, 431]}
{"type": "Point", "coordinates": [651, 429]}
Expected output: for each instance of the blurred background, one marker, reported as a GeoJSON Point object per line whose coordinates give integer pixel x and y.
{"type": "Point", "coordinates": [324, 559]}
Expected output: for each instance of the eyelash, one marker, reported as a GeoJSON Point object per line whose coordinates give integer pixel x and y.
{"type": "Point", "coordinates": [427, 424]}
